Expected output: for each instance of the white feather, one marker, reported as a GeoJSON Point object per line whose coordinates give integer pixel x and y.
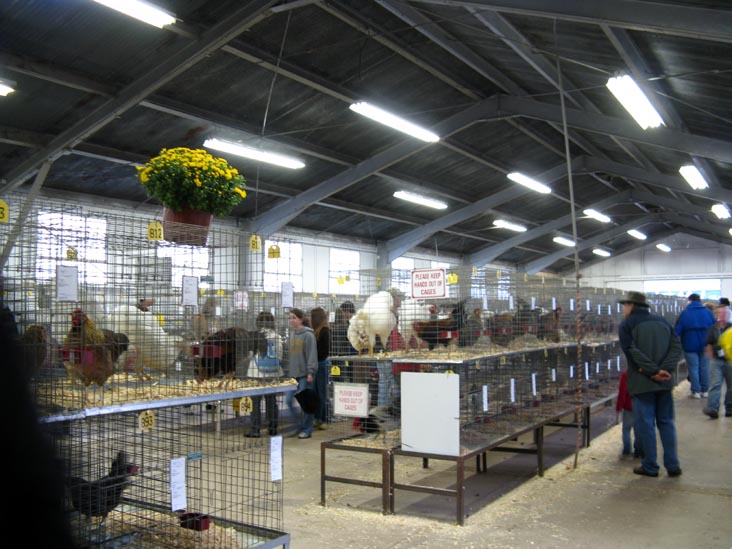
{"type": "Point", "coordinates": [374, 318]}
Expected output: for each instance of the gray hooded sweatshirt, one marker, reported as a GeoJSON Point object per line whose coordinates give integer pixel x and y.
{"type": "Point", "coordinates": [303, 353]}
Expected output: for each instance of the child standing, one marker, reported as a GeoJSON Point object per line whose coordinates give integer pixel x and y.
{"type": "Point", "coordinates": [625, 404]}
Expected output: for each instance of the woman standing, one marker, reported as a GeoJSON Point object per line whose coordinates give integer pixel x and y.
{"type": "Point", "coordinates": [302, 364]}
{"type": "Point", "coordinates": [266, 365]}
{"type": "Point", "coordinates": [319, 319]}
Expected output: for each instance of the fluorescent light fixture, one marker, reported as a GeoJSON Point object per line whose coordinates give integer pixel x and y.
{"type": "Point", "coordinates": [393, 121]}
{"type": "Point", "coordinates": [254, 154]}
{"type": "Point", "coordinates": [6, 87]}
{"type": "Point", "coordinates": [532, 184]}
{"type": "Point", "coordinates": [594, 214]}
{"type": "Point", "coordinates": [601, 252]}
{"type": "Point", "coordinates": [730, 233]}
{"type": "Point", "coordinates": [635, 102]}
{"type": "Point", "coordinates": [503, 224]}
{"type": "Point", "coordinates": [563, 241]}
{"type": "Point", "coordinates": [637, 234]}
{"type": "Point", "coordinates": [721, 211]}
{"type": "Point", "coordinates": [148, 13]}
{"type": "Point", "coordinates": [422, 200]}
{"type": "Point", "coordinates": [693, 177]}
{"type": "Point", "coordinates": [663, 247]}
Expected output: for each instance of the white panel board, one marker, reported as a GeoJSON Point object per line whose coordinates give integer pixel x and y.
{"type": "Point", "coordinates": [431, 413]}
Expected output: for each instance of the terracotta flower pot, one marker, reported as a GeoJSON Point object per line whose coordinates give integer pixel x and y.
{"type": "Point", "coordinates": [186, 226]}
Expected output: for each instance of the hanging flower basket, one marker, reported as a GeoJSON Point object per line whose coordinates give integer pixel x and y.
{"type": "Point", "coordinates": [186, 226]}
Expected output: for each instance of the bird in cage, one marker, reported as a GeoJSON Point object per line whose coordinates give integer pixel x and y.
{"type": "Point", "coordinates": [90, 352]}
{"type": "Point", "coordinates": [442, 331]}
{"type": "Point", "coordinates": [376, 318]}
{"type": "Point", "coordinates": [222, 351]}
{"type": "Point", "coordinates": [97, 498]}
{"type": "Point", "coordinates": [381, 420]}
{"type": "Point", "coordinates": [34, 348]}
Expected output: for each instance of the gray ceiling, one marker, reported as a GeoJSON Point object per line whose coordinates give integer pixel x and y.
{"type": "Point", "coordinates": [98, 92]}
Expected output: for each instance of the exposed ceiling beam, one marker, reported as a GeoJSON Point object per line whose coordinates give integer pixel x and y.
{"type": "Point", "coordinates": [486, 255]}
{"type": "Point", "coordinates": [664, 18]}
{"type": "Point", "coordinates": [163, 72]}
{"type": "Point", "coordinates": [715, 149]}
{"type": "Point", "coordinates": [670, 204]}
{"type": "Point", "coordinates": [276, 218]}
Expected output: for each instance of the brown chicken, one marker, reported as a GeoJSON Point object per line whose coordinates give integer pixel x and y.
{"type": "Point", "coordinates": [88, 352]}
{"type": "Point", "coordinates": [33, 348]}
{"type": "Point", "coordinates": [440, 332]}
{"type": "Point", "coordinates": [222, 351]}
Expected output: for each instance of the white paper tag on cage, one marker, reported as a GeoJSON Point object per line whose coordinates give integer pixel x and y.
{"type": "Point", "coordinates": [275, 458]}
{"type": "Point", "coordinates": [618, 359]}
{"type": "Point", "coordinates": [510, 303]}
{"type": "Point", "coordinates": [597, 367]}
{"type": "Point", "coordinates": [599, 310]}
{"type": "Point", "coordinates": [571, 371]}
{"type": "Point", "coordinates": [609, 309]}
{"type": "Point", "coordinates": [533, 303]}
{"type": "Point", "coordinates": [485, 398]}
{"type": "Point", "coordinates": [554, 374]}
{"type": "Point", "coordinates": [609, 363]}
{"type": "Point", "coordinates": [189, 295]}
{"type": "Point", "coordinates": [571, 304]}
{"type": "Point", "coordinates": [67, 287]}
{"type": "Point", "coordinates": [554, 303]}
{"type": "Point", "coordinates": [588, 306]}
{"type": "Point", "coordinates": [513, 390]}
{"type": "Point", "coordinates": [178, 498]}
{"type": "Point", "coordinates": [533, 384]}
{"type": "Point", "coordinates": [587, 370]}
{"type": "Point", "coordinates": [485, 302]}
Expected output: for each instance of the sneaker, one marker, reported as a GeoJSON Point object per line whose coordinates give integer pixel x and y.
{"type": "Point", "coordinates": [674, 473]}
{"type": "Point", "coordinates": [304, 435]}
{"type": "Point", "coordinates": [641, 471]}
{"type": "Point", "coordinates": [711, 413]}
{"type": "Point", "coordinates": [704, 394]}
{"type": "Point", "coordinates": [695, 395]}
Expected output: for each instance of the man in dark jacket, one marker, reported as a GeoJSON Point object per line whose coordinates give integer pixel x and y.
{"type": "Point", "coordinates": [691, 327]}
{"type": "Point", "coordinates": [652, 351]}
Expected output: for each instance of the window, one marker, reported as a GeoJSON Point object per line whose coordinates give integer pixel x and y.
{"type": "Point", "coordinates": [62, 236]}
{"type": "Point", "coordinates": [707, 288]}
{"type": "Point", "coordinates": [439, 265]}
{"type": "Point", "coordinates": [344, 271]}
{"type": "Point", "coordinates": [401, 274]}
{"type": "Point", "coordinates": [286, 268]}
{"type": "Point", "coordinates": [185, 260]}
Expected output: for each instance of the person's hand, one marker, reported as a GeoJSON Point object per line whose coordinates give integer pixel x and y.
{"type": "Point", "coordinates": [662, 375]}
{"type": "Point", "coordinates": [310, 378]}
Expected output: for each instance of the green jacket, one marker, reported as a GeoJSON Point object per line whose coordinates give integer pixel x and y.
{"type": "Point", "coordinates": [650, 345]}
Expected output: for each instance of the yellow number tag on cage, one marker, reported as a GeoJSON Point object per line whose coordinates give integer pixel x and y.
{"type": "Point", "coordinates": [155, 230]}
{"type": "Point", "coordinates": [146, 420]}
{"type": "Point", "coordinates": [245, 405]}
{"type": "Point", "coordinates": [502, 360]}
{"type": "Point", "coordinates": [4, 212]}
{"type": "Point", "coordinates": [449, 372]}
{"type": "Point", "coordinates": [546, 353]}
{"type": "Point", "coordinates": [335, 370]}
{"type": "Point", "coordinates": [255, 243]}
{"type": "Point", "coordinates": [71, 254]}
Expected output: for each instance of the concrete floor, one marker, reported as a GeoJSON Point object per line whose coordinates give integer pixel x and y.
{"type": "Point", "coordinates": [601, 503]}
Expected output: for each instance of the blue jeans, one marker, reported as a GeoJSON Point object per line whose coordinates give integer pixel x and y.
{"type": "Point", "coordinates": [628, 421]}
{"type": "Point", "coordinates": [698, 367]}
{"type": "Point", "coordinates": [386, 383]}
{"type": "Point", "coordinates": [306, 425]}
{"type": "Point", "coordinates": [721, 371]}
{"type": "Point", "coordinates": [657, 408]}
{"type": "Point", "coordinates": [321, 387]}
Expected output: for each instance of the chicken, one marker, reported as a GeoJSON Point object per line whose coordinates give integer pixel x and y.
{"type": "Point", "coordinates": [87, 352]}
{"type": "Point", "coordinates": [432, 330]}
{"type": "Point", "coordinates": [375, 318]}
{"type": "Point", "coordinates": [549, 325]}
{"type": "Point", "coordinates": [153, 347]}
{"type": "Point", "coordinates": [222, 351]}
{"type": "Point", "coordinates": [33, 348]}
{"type": "Point", "coordinates": [97, 498]}
{"type": "Point", "coordinates": [411, 311]}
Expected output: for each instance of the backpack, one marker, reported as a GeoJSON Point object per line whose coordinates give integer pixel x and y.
{"type": "Point", "coordinates": [725, 342]}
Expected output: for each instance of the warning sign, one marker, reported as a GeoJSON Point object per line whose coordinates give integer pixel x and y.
{"type": "Point", "coordinates": [351, 399]}
{"type": "Point", "coordinates": [428, 283]}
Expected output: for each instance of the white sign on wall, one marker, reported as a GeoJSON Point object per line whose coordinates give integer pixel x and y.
{"type": "Point", "coordinates": [351, 399]}
{"type": "Point", "coordinates": [428, 283]}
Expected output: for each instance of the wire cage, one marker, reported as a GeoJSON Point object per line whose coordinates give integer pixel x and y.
{"type": "Point", "coordinates": [170, 476]}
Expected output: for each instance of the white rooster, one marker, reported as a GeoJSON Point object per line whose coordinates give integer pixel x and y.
{"type": "Point", "coordinates": [374, 318]}
{"type": "Point", "coordinates": [411, 311]}
{"type": "Point", "coordinates": [154, 348]}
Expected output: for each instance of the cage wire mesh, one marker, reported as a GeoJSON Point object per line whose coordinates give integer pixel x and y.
{"type": "Point", "coordinates": [169, 477]}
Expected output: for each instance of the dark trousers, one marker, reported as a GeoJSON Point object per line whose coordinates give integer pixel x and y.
{"type": "Point", "coordinates": [272, 412]}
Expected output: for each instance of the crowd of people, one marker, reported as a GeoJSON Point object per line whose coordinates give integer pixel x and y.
{"type": "Point", "coordinates": [653, 349]}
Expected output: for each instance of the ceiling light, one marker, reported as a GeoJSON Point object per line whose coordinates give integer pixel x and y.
{"type": "Point", "coordinates": [635, 102]}
{"type": "Point", "coordinates": [693, 177]}
{"type": "Point", "coordinates": [393, 121]}
{"type": "Point", "coordinates": [563, 241]}
{"type": "Point", "coordinates": [6, 87]}
{"type": "Point", "coordinates": [594, 214]}
{"type": "Point", "coordinates": [254, 154]}
{"type": "Point", "coordinates": [419, 199]}
{"type": "Point", "coordinates": [503, 224]}
{"type": "Point", "coordinates": [730, 233]}
{"type": "Point", "coordinates": [721, 211]}
{"type": "Point", "coordinates": [148, 13]}
{"type": "Point", "coordinates": [601, 252]}
{"type": "Point", "coordinates": [532, 184]}
{"type": "Point", "coordinates": [663, 247]}
{"type": "Point", "coordinates": [637, 234]}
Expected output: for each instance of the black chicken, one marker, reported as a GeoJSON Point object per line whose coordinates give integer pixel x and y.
{"type": "Point", "coordinates": [97, 498]}
{"type": "Point", "coordinates": [221, 351]}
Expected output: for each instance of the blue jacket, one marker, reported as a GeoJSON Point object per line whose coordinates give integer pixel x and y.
{"type": "Point", "coordinates": [692, 326]}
